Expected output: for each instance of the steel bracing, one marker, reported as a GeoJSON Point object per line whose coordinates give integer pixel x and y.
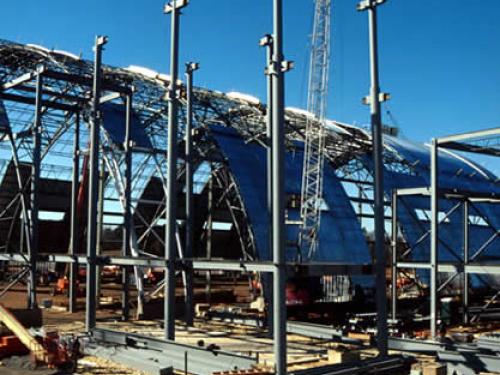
{"type": "Point", "coordinates": [467, 261]}
{"type": "Point", "coordinates": [46, 121]}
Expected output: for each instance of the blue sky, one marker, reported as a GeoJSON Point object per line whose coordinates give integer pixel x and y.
{"type": "Point", "coordinates": [440, 59]}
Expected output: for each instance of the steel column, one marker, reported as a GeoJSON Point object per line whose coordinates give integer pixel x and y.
{"type": "Point", "coordinates": [100, 218]}
{"type": "Point", "coordinates": [74, 239]}
{"type": "Point", "coordinates": [267, 41]}
{"type": "Point", "coordinates": [90, 314]}
{"type": "Point", "coordinates": [127, 216]}
{"type": "Point", "coordinates": [268, 278]}
{"type": "Point", "coordinates": [378, 149]}
{"type": "Point", "coordinates": [278, 206]}
{"type": "Point", "coordinates": [465, 297]}
{"type": "Point", "coordinates": [434, 237]}
{"type": "Point", "coordinates": [190, 68]}
{"type": "Point", "coordinates": [171, 195]}
{"type": "Point", "coordinates": [35, 196]}
{"type": "Point", "coordinates": [208, 236]}
{"type": "Point", "coordinates": [394, 269]}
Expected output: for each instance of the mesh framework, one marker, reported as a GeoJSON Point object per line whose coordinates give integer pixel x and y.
{"type": "Point", "coordinates": [66, 102]}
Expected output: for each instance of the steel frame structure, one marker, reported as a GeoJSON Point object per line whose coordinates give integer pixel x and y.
{"type": "Point", "coordinates": [56, 99]}
{"type": "Point", "coordinates": [480, 142]}
{"type": "Point", "coordinates": [71, 95]}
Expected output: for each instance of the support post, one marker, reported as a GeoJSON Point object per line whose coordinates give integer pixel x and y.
{"type": "Point", "coordinates": [190, 68]}
{"type": "Point", "coordinates": [378, 148]}
{"type": "Point", "coordinates": [208, 285]}
{"type": "Point", "coordinates": [171, 199]}
{"type": "Point", "coordinates": [90, 313]}
{"type": "Point", "coordinates": [100, 219]}
{"type": "Point", "coordinates": [127, 216]}
{"type": "Point", "coordinates": [434, 238]}
{"type": "Point", "coordinates": [35, 182]}
{"type": "Point", "coordinates": [74, 246]}
{"type": "Point", "coordinates": [394, 265]}
{"type": "Point", "coordinates": [267, 41]}
{"type": "Point", "coordinates": [278, 207]}
{"type": "Point", "coordinates": [465, 297]}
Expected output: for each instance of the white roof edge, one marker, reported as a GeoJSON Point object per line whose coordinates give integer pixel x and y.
{"type": "Point", "coordinates": [243, 97]}
{"type": "Point", "coordinates": [66, 53]}
{"type": "Point", "coordinates": [150, 73]}
{"type": "Point", "coordinates": [39, 47]}
{"type": "Point", "coordinates": [299, 111]}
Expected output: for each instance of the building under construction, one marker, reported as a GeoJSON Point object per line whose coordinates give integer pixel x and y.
{"type": "Point", "coordinates": [171, 221]}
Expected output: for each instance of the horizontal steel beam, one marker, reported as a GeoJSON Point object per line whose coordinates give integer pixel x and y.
{"type": "Point", "coordinates": [468, 136]}
{"type": "Point", "coordinates": [54, 94]}
{"type": "Point", "coordinates": [304, 269]}
{"type": "Point", "coordinates": [449, 194]}
{"type": "Point", "coordinates": [489, 341]}
{"type": "Point", "coordinates": [317, 331]}
{"type": "Point", "coordinates": [86, 81]}
{"type": "Point", "coordinates": [313, 330]}
{"type": "Point", "coordinates": [471, 360]}
{"type": "Point", "coordinates": [379, 365]}
{"type": "Point", "coordinates": [413, 345]}
{"type": "Point", "coordinates": [200, 360]}
{"type": "Point", "coordinates": [26, 77]}
{"type": "Point", "coordinates": [471, 268]}
{"type": "Point", "coordinates": [45, 103]}
{"type": "Point", "coordinates": [137, 359]}
{"type": "Point", "coordinates": [476, 149]}
{"type": "Point", "coordinates": [413, 191]}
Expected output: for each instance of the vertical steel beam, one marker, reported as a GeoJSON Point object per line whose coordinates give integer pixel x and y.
{"type": "Point", "coordinates": [100, 218]}
{"type": "Point", "coordinates": [74, 246]}
{"type": "Point", "coordinates": [434, 237]}
{"type": "Point", "coordinates": [465, 297]}
{"type": "Point", "coordinates": [208, 285]}
{"type": "Point", "coordinates": [278, 207]}
{"type": "Point", "coordinates": [269, 170]}
{"type": "Point", "coordinates": [127, 215]}
{"type": "Point", "coordinates": [190, 68]}
{"type": "Point", "coordinates": [267, 278]}
{"type": "Point", "coordinates": [171, 195]}
{"type": "Point", "coordinates": [35, 182]}
{"type": "Point", "coordinates": [394, 269]}
{"type": "Point", "coordinates": [378, 148]}
{"type": "Point", "coordinates": [95, 121]}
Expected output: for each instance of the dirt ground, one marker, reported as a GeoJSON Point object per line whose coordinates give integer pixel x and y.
{"type": "Point", "coordinates": [108, 315]}
{"type": "Point", "coordinates": [302, 352]}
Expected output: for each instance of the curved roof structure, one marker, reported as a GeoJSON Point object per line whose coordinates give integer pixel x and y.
{"type": "Point", "coordinates": [231, 136]}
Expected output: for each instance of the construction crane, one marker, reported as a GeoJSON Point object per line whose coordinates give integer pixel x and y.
{"type": "Point", "coordinates": [312, 174]}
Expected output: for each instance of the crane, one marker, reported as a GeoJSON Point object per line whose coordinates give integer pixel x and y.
{"type": "Point", "coordinates": [314, 145]}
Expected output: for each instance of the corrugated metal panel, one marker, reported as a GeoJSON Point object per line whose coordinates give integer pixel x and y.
{"type": "Point", "coordinates": [453, 173]}
{"type": "Point", "coordinates": [114, 123]}
{"type": "Point", "coordinates": [454, 170]}
{"type": "Point", "coordinates": [341, 238]}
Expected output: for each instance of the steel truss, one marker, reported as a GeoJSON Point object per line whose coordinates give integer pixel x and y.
{"type": "Point", "coordinates": [58, 86]}
{"type": "Point", "coordinates": [466, 263]}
